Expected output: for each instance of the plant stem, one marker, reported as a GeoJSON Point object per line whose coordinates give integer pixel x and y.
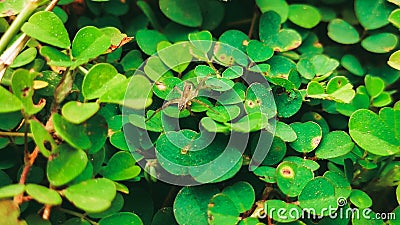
{"type": "Point", "coordinates": [14, 134]}
{"type": "Point", "coordinates": [17, 24]}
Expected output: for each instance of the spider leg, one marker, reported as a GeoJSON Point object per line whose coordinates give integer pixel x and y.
{"type": "Point", "coordinates": [178, 90]}
{"type": "Point", "coordinates": [173, 101]}
{"type": "Point", "coordinates": [204, 104]}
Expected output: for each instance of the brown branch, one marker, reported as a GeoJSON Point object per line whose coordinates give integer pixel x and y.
{"type": "Point", "coordinates": [253, 21]}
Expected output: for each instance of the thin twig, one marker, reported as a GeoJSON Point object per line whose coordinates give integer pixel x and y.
{"type": "Point", "coordinates": [253, 21]}
{"type": "Point", "coordinates": [14, 134]}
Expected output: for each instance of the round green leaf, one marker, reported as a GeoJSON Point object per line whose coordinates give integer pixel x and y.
{"type": "Point", "coordinates": [73, 134]}
{"type": "Point", "coordinates": [383, 99]}
{"type": "Point", "coordinates": [242, 195]}
{"type": "Point", "coordinates": [186, 13]}
{"type": "Point", "coordinates": [89, 43]}
{"type": "Point", "coordinates": [319, 195]}
{"type": "Point", "coordinates": [309, 135]}
{"type": "Point", "coordinates": [352, 64]}
{"type": "Point", "coordinates": [132, 60]}
{"type": "Point", "coordinates": [98, 79]}
{"type": "Point", "coordinates": [24, 58]}
{"type": "Point", "coordinates": [97, 131]}
{"type": "Point", "coordinates": [191, 203]}
{"type": "Point", "coordinates": [288, 103]}
{"type": "Point", "coordinates": [313, 116]}
{"type": "Point", "coordinates": [126, 218]}
{"type": "Point", "coordinates": [394, 18]}
{"type": "Point", "coordinates": [342, 32]}
{"type": "Point", "coordinates": [93, 195]}
{"type": "Point", "coordinates": [334, 144]}
{"type": "Point", "coordinates": [176, 56]}
{"type": "Point", "coordinates": [305, 16]}
{"type": "Point", "coordinates": [266, 173]}
{"type": "Point", "coordinates": [224, 113]}
{"type": "Point", "coordinates": [341, 184]}
{"type": "Point", "coordinates": [374, 85]}
{"type": "Point", "coordinates": [55, 57]}
{"type": "Point", "coordinates": [43, 194]}
{"type": "Point", "coordinates": [66, 165]}
{"type": "Point", "coordinates": [259, 99]}
{"type": "Point", "coordinates": [380, 10]}
{"type": "Point", "coordinates": [220, 210]}
{"type": "Point", "coordinates": [41, 137]}
{"type": "Point", "coordinates": [121, 166]}
{"type": "Point", "coordinates": [259, 51]}
{"type": "Point", "coordinates": [394, 60]}
{"type": "Point", "coordinates": [281, 211]}
{"type": "Point", "coordinates": [380, 43]}
{"type": "Point", "coordinates": [11, 190]}
{"type": "Point", "coordinates": [78, 112]}
{"type": "Point", "coordinates": [291, 177]}
{"type": "Point", "coordinates": [360, 199]}
{"type": "Point", "coordinates": [279, 6]}
{"type": "Point", "coordinates": [285, 132]}
{"type": "Point", "coordinates": [8, 101]}
{"type": "Point", "coordinates": [148, 40]}
{"type": "Point", "coordinates": [201, 40]}
{"type": "Point", "coordinates": [374, 133]}
{"type": "Point", "coordinates": [50, 32]}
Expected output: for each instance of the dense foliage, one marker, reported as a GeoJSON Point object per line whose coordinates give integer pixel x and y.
{"type": "Point", "coordinates": [262, 109]}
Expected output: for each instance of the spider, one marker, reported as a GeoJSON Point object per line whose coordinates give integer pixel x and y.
{"type": "Point", "coordinates": [188, 95]}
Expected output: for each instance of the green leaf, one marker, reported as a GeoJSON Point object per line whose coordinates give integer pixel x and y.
{"type": "Point", "coordinates": [55, 57]}
{"type": "Point", "coordinates": [340, 89]}
{"type": "Point", "coordinates": [352, 64]}
{"type": "Point", "coordinates": [394, 18]}
{"type": "Point", "coordinates": [164, 216]}
{"type": "Point", "coordinates": [374, 85]}
{"type": "Point", "coordinates": [380, 43]}
{"type": "Point", "coordinates": [279, 6]}
{"type": "Point", "coordinates": [89, 43]}
{"type": "Point", "coordinates": [360, 199]}
{"type": "Point", "coordinates": [201, 40]}
{"type": "Point", "coordinates": [266, 174]}
{"type": "Point", "coordinates": [312, 165]}
{"type": "Point", "coordinates": [121, 166]}
{"type": "Point", "coordinates": [181, 56]}
{"type": "Point", "coordinates": [305, 16]}
{"type": "Point", "coordinates": [66, 165]}
{"type": "Point", "coordinates": [334, 144]}
{"type": "Point", "coordinates": [9, 102]}
{"type": "Point", "coordinates": [148, 40]}
{"type": "Point", "coordinates": [132, 60]}
{"type": "Point", "coordinates": [242, 195]}
{"type": "Point", "coordinates": [291, 178]}
{"type": "Point", "coordinates": [43, 194]}
{"type": "Point", "coordinates": [99, 79]}
{"type": "Point", "coordinates": [76, 221]}
{"type": "Point", "coordinates": [186, 13]}
{"type": "Point", "coordinates": [235, 38]}
{"type": "Point", "coordinates": [341, 184]}
{"type": "Point", "coordinates": [52, 31]}
{"type": "Point", "coordinates": [285, 132]}
{"type": "Point", "coordinates": [134, 93]}
{"type": "Point", "coordinates": [126, 218]}
{"type": "Point", "coordinates": [276, 152]}
{"type": "Point", "coordinates": [78, 112]}
{"type": "Point", "coordinates": [220, 210]}
{"type": "Point", "coordinates": [260, 100]}
{"type": "Point", "coordinates": [93, 195]}
{"type": "Point", "coordinates": [288, 103]}
{"type": "Point", "coordinates": [9, 213]}
{"type": "Point", "coordinates": [319, 195]}
{"type": "Point", "coordinates": [394, 60]}
{"type": "Point", "coordinates": [24, 58]}
{"type": "Point", "coordinates": [258, 51]}
{"type": "Point", "coordinates": [11, 190]}
{"type": "Point", "coordinates": [372, 14]}
{"type": "Point", "coordinates": [383, 99]}
{"type": "Point", "coordinates": [289, 212]}
{"type": "Point", "coordinates": [42, 137]}
{"type": "Point", "coordinates": [73, 134]}
{"type": "Point", "coordinates": [309, 135]}
{"type": "Point", "coordinates": [342, 32]}
{"type": "Point", "coordinates": [191, 203]}
{"type": "Point", "coordinates": [376, 134]}
{"type": "Point", "coordinates": [22, 86]}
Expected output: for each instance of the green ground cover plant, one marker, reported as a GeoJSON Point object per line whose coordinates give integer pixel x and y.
{"type": "Point", "coordinates": [177, 112]}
